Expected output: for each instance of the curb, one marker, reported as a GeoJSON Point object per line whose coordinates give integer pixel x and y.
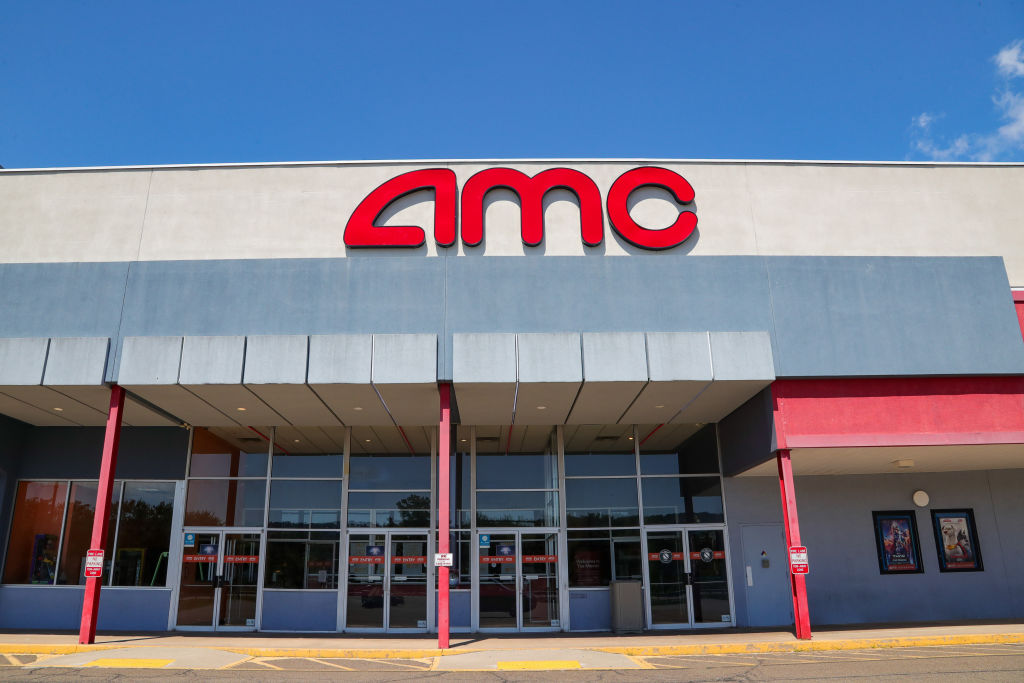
{"type": "Point", "coordinates": [331, 653]}
{"type": "Point", "coordinates": [28, 649]}
{"type": "Point", "coordinates": [639, 651]}
{"type": "Point", "coordinates": [815, 646]}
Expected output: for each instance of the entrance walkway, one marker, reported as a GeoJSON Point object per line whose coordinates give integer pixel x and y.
{"type": "Point", "coordinates": [471, 651]}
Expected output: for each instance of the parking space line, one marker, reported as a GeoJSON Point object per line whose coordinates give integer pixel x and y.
{"type": "Point", "coordinates": [321, 661]}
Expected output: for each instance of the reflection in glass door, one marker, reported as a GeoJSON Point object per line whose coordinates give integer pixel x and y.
{"type": "Point", "coordinates": [687, 578]}
{"type": "Point", "coordinates": [387, 581]}
{"type": "Point", "coordinates": [239, 582]}
{"type": "Point", "coordinates": [710, 588]}
{"type": "Point", "coordinates": [667, 578]}
{"type": "Point", "coordinates": [518, 583]}
{"type": "Point", "coordinates": [219, 585]}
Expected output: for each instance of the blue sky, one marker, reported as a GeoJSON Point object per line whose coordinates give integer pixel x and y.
{"type": "Point", "coordinates": [139, 82]}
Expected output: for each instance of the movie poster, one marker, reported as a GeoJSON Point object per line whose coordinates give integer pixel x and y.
{"type": "Point", "coordinates": [956, 539]}
{"type": "Point", "coordinates": [896, 538]}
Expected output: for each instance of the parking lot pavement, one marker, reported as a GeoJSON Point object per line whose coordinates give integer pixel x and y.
{"type": "Point", "coordinates": [996, 661]}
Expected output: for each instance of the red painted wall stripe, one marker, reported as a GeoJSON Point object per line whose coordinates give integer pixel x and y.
{"type": "Point", "coordinates": [898, 411]}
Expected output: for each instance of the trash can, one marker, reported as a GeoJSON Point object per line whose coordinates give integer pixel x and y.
{"type": "Point", "coordinates": [627, 606]}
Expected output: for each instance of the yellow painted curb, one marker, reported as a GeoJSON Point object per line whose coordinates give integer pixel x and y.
{"type": "Point", "coordinates": [635, 651]}
{"type": "Point", "coordinates": [330, 653]}
{"type": "Point", "coordinates": [814, 645]}
{"type": "Point", "coordinates": [29, 649]}
{"type": "Point", "coordinates": [546, 665]}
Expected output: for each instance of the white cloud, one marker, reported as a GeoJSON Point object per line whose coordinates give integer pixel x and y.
{"type": "Point", "coordinates": [1008, 137]}
{"type": "Point", "coordinates": [1010, 60]}
{"type": "Point", "coordinates": [924, 120]}
{"type": "Point", "coordinates": [955, 150]}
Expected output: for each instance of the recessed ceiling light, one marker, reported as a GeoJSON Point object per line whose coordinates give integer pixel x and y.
{"type": "Point", "coordinates": [357, 408]}
{"type": "Point", "coordinates": [296, 440]}
{"type": "Point", "coordinates": [241, 410]}
{"type": "Point", "coordinates": [59, 410]}
{"type": "Point", "coordinates": [462, 440]}
{"type": "Point", "coordinates": [906, 463]}
{"type": "Point", "coordinates": [542, 407]}
{"type": "Point", "coordinates": [367, 440]}
{"type": "Point", "coordinates": [659, 406]}
{"type": "Point", "coordinates": [630, 438]}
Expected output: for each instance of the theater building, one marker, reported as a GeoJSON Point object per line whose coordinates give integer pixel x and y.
{"type": "Point", "coordinates": [610, 390]}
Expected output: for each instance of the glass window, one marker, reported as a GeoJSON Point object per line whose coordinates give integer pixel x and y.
{"type": "Point", "coordinates": [225, 502]}
{"type": "Point", "coordinates": [459, 510]}
{"type": "Point", "coordinates": [144, 534]}
{"type": "Point", "coordinates": [682, 500]}
{"type": "Point", "coordinates": [78, 531]}
{"type": "Point", "coordinates": [599, 557]}
{"type": "Point", "coordinates": [517, 508]}
{"type": "Point", "coordinates": [215, 457]}
{"type": "Point", "coordinates": [389, 509]}
{"type": "Point", "coordinates": [136, 548]}
{"type": "Point", "coordinates": [35, 532]}
{"type": "Point", "coordinates": [460, 576]}
{"type": "Point", "coordinates": [387, 471]}
{"type": "Point", "coordinates": [302, 559]}
{"type": "Point", "coordinates": [516, 471]}
{"type": "Point", "coordinates": [601, 502]}
{"type": "Point", "coordinates": [600, 464]}
{"type": "Point", "coordinates": [305, 504]}
{"type": "Point", "coordinates": [312, 466]}
{"type": "Point", "coordinates": [696, 455]}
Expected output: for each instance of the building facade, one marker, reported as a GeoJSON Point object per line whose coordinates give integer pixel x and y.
{"type": "Point", "coordinates": [638, 354]}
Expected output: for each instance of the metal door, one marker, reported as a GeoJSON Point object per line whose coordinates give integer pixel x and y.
{"type": "Point", "coordinates": [387, 581]}
{"type": "Point", "coordinates": [518, 586]}
{"type": "Point", "coordinates": [219, 581]}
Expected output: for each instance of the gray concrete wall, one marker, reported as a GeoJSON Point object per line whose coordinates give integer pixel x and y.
{"type": "Point", "coordinates": [844, 584]}
{"type": "Point", "coordinates": [857, 316]}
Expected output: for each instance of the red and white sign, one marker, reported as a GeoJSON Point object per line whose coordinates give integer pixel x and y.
{"type": "Point", "coordinates": [798, 559]}
{"type": "Point", "coordinates": [540, 559]}
{"type": "Point", "coordinates": [362, 229]}
{"type": "Point", "coordinates": [498, 559]}
{"type": "Point", "coordinates": [241, 559]}
{"type": "Point", "coordinates": [93, 564]}
{"type": "Point", "coordinates": [715, 555]}
{"type": "Point", "coordinates": [199, 558]}
{"type": "Point", "coordinates": [656, 557]}
{"type": "Point", "coordinates": [366, 559]}
{"type": "Point", "coordinates": [409, 559]}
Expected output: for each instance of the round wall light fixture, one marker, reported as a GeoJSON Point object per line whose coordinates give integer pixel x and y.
{"type": "Point", "coordinates": [921, 498]}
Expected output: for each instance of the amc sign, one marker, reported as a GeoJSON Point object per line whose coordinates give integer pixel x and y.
{"type": "Point", "coordinates": [362, 229]}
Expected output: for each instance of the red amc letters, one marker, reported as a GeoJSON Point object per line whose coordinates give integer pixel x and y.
{"type": "Point", "coordinates": [362, 230]}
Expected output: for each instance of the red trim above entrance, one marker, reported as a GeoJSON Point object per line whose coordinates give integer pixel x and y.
{"type": "Point", "coordinates": [906, 411]}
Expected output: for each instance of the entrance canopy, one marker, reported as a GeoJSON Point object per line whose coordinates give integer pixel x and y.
{"type": "Point", "coordinates": [893, 425]}
{"type": "Point", "coordinates": [387, 379]}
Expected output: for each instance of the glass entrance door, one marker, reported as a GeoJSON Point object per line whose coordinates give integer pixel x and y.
{"type": "Point", "coordinates": [219, 585]}
{"type": "Point", "coordinates": [518, 583]}
{"type": "Point", "coordinates": [387, 581]}
{"type": "Point", "coordinates": [687, 578]}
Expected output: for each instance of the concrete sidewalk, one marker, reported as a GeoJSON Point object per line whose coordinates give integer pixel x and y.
{"type": "Point", "coordinates": [418, 646]}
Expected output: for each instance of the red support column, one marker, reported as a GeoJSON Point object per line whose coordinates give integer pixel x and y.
{"type": "Point", "coordinates": [111, 440]}
{"type": "Point", "coordinates": [444, 450]}
{"type": "Point", "coordinates": [798, 584]}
